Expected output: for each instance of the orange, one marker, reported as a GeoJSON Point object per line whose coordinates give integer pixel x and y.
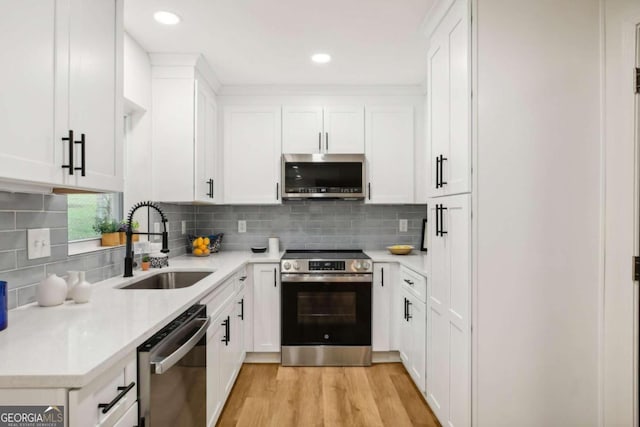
{"type": "Point", "coordinates": [197, 251]}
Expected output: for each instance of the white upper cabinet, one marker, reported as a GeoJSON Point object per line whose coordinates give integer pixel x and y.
{"type": "Point", "coordinates": [311, 130]}
{"type": "Point", "coordinates": [252, 149]}
{"type": "Point", "coordinates": [65, 75]}
{"type": "Point", "coordinates": [184, 131]}
{"type": "Point", "coordinates": [389, 151]}
{"type": "Point", "coordinates": [449, 104]}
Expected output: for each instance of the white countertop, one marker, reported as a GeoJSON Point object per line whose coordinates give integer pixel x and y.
{"type": "Point", "coordinates": [69, 345]}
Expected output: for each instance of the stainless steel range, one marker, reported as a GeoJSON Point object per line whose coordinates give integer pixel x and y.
{"type": "Point", "coordinates": [326, 308]}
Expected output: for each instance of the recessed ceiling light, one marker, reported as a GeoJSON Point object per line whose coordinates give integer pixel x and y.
{"type": "Point", "coordinates": [321, 58]}
{"type": "Point", "coordinates": [166, 18]}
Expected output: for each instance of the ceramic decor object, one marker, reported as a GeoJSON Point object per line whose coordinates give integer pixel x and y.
{"type": "Point", "coordinates": [82, 291]}
{"type": "Point", "coordinates": [72, 281]}
{"type": "Point", "coordinates": [51, 291]}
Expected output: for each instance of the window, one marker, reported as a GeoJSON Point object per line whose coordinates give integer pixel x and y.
{"type": "Point", "coordinates": [85, 209]}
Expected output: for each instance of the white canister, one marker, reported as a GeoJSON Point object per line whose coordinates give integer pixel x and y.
{"type": "Point", "coordinates": [274, 246]}
{"type": "Point", "coordinates": [73, 279]}
{"type": "Point", "coordinates": [51, 291]}
{"type": "Point", "coordinates": [82, 291]}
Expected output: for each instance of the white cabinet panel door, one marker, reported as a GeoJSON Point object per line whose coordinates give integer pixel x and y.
{"type": "Point", "coordinates": [448, 305]}
{"type": "Point", "coordinates": [389, 149]}
{"type": "Point", "coordinates": [302, 130]}
{"type": "Point", "coordinates": [448, 104]}
{"type": "Point", "coordinates": [417, 347]}
{"type": "Point", "coordinates": [252, 148]}
{"type": "Point", "coordinates": [381, 312]}
{"type": "Point", "coordinates": [266, 308]}
{"type": "Point", "coordinates": [205, 146]}
{"type": "Point", "coordinates": [95, 90]}
{"type": "Point", "coordinates": [27, 49]}
{"type": "Point", "coordinates": [344, 129]}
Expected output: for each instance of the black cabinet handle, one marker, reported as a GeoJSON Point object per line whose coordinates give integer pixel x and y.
{"type": "Point", "coordinates": [405, 308]}
{"type": "Point", "coordinates": [369, 185]}
{"type": "Point", "coordinates": [243, 278]}
{"type": "Point", "coordinates": [438, 172]}
{"type": "Point", "coordinates": [382, 277]}
{"type": "Point", "coordinates": [210, 193]}
{"type": "Point", "coordinates": [437, 219]}
{"type": "Point", "coordinates": [277, 191]}
{"type": "Point", "coordinates": [326, 140]}
{"type": "Point", "coordinates": [442, 159]}
{"type": "Point", "coordinates": [241, 315]}
{"type": "Point", "coordinates": [442, 209]}
{"type": "Point", "coordinates": [275, 277]}
{"type": "Point", "coordinates": [106, 407]}
{"type": "Point", "coordinates": [409, 316]}
{"type": "Point", "coordinates": [319, 141]}
{"type": "Point", "coordinates": [82, 167]}
{"type": "Point", "coordinates": [71, 145]}
{"type": "Point", "coordinates": [227, 332]}
{"type": "Point", "coordinates": [408, 282]}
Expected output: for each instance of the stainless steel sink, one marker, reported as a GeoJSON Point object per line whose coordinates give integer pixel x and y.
{"type": "Point", "coordinates": [169, 280]}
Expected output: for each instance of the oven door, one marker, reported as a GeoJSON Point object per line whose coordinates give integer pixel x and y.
{"type": "Point", "coordinates": [331, 309]}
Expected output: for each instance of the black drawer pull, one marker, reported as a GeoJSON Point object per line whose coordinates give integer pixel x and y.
{"type": "Point", "coordinates": [408, 281]}
{"type": "Point", "coordinates": [409, 316]}
{"type": "Point", "coordinates": [241, 315]}
{"type": "Point", "coordinates": [243, 278]}
{"type": "Point", "coordinates": [382, 277]}
{"type": "Point", "coordinates": [106, 407]}
{"type": "Point", "coordinates": [82, 155]}
{"type": "Point", "coordinates": [71, 145]}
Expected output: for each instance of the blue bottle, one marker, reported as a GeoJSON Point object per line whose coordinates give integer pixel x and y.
{"type": "Point", "coordinates": [3, 305]}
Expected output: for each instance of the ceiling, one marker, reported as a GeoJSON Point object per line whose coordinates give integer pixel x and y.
{"type": "Point", "coordinates": [246, 42]}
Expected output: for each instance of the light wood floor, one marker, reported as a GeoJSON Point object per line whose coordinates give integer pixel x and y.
{"type": "Point", "coordinates": [272, 395]}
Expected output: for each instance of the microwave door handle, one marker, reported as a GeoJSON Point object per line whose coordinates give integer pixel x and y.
{"type": "Point", "coordinates": [162, 366]}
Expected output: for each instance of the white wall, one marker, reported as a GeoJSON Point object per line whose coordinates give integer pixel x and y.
{"type": "Point", "coordinates": [137, 93]}
{"type": "Point", "coordinates": [537, 216]}
{"type": "Point", "coordinates": [621, 294]}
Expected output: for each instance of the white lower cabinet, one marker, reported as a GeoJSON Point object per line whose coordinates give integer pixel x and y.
{"type": "Point", "coordinates": [448, 306]}
{"type": "Point", "coordinates": [381, 307]}
{"type": "Point", "coordinates": [130, 418]}
{"type": "Point", "coordinates": [412, 343]}
{"type": "Point", "coordinates": [108, 399]}
{"type": "Point", "coordinates": [266, 320]}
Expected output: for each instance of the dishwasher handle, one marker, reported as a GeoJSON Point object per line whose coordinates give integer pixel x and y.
{"type": "Point", "coordinates": [162, 366]}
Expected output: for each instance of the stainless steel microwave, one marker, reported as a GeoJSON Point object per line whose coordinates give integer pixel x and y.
{"type": "Point", "coordinates": [323, 176]}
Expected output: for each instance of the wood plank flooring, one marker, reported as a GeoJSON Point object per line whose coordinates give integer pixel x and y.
{"type": "Point", "coordinates": [272, 395]}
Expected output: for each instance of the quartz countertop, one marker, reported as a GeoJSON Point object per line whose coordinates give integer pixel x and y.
{"type": "Point", "coordinates": [70, 345]}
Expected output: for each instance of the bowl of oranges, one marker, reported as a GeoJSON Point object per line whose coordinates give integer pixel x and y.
{"type": "Point", "coordinates": [200, 246]}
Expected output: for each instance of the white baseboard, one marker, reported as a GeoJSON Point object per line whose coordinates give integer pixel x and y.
{"type": "Point", "coordinates": [377, 357]}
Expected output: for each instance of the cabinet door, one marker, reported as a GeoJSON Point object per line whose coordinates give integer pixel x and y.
{"type": "Point", "coordinates": [417, 346]}
{"type": "Point", "coordinates": [29, 143]}
{"type": "Point", "coordinates": [448, 311]}
{"type": "Point", "coordinates": [205, 145]}
{"type": "Point", "coordinates": [266, 320]}
{"type": "Point", "coordinates": [252, 148]}
{"type": "Point", "coordinates": [448, 104]}
{"type": "Point", "coordinates": [404, 344]}
{"type": "Point", "coordinates": [302, 130]}
{"type": "Point", "coordinates": [247, 279]}
{"type": "Point", "coordinates": [381, 315]}
{"type": "Point", "coordinates": [344, 129]}
{"type": "Point", "coordinates": [215, 335]}
{"type": "Point", "coordinates": [95, 91]}
{"type": "Point", "coordinates": [389, 149]}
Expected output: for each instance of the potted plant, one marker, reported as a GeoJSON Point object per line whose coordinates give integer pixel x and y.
{"type": "Point", "coordinates": [123, 231]}
{"type": "Point", "coordinates": [146, 263]}
{"type": "Point", "coordinates": [108, 228]}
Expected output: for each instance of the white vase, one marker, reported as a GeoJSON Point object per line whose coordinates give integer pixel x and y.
{"type": "Point", "coordinates": [51, 291]}
{"type": "Point", "coordinates": [72, 281]}
{"type": "Point", "coordinates": [82, 291]}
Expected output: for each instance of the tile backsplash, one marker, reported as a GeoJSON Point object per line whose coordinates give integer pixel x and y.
{"type": "Point", "coordinates": [314, 224]}
{"type": "Point", "coordinates": [20, 211]}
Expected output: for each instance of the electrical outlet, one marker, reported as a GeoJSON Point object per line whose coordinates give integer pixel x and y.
{"type": "Point", "coordinates": [184, 227]}
{"type": "Point", "coordinates": [403, 225]}
{"type": "Point", "coordinates": [38, 243]}
{"type": "Point", "coordinates": [242, 226]}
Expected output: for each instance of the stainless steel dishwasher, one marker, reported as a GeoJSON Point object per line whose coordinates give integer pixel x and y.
{"type": "Point", "coordinates": [172, 372]}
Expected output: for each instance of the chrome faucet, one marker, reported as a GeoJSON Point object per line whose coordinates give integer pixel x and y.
{"type": "Point", "coordinates": [128, 259]}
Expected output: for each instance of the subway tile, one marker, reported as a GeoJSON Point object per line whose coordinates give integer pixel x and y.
{"type": "Point", "coordinates": [7, 220]}
{"type": "Point", "coordinates": [59, 236]}
{"type": "Point", "coordinates": [61, 268]}
{"type": "Point", "coordinates": [20, 201]}
{"type": "Point", "coordinates": [27, 295]}
{"type": "Point", "coordinates": [58, 253]}
{"type": "Point", "coordinates": [13, 240]}
{"type": "Point", "coordinates": [55, 202]}
{"type": "Point", "coordinates": [23, 277]}
{"type": "Point", "coordinates": [8, 260]}
{"type": "Point", "coordinates": [25, 220]}
{"type": "Point", "coordinates": [12, 299]}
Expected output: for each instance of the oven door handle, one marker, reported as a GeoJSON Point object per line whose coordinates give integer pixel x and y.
{"type": "Point", "coordinates": [327, 278]}
{"type": "Point", "coordinates": [163, 365]}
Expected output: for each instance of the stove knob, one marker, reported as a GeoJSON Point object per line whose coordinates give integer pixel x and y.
{"type": "Point", "coordinates": [365, 265]}
{"type": "Point", "coordinates": [286, 265]}
{"type": "Point", "coordinates": [357, 265]}
{"type": "Point", "coordinates": [296, 266]}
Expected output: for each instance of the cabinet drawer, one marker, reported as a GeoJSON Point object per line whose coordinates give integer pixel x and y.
{"type": "Point", "coordinates": [219, 296]}
{"type": "Point", "coordinates": [107, 399]}
{"type": "Point", "coordinates": [130, 418]}
{"type": "Point", "coordinates": [415, 282]}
